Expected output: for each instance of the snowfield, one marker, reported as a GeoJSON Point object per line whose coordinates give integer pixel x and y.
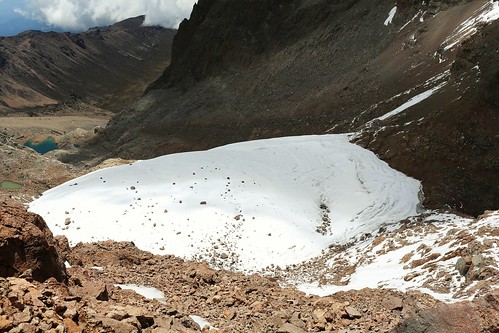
{"type": "Point", "coordinates": [244, 206]}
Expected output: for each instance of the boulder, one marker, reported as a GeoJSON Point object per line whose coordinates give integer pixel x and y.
{"type": "Point", "coordinates": [27, 245]}
{"type": "Point", "coordinates": [289, 328]}
{"type": "Point", "coordinates": [352, 313]}
{"type": "Point", "coordinates": [462, 266]}
{"type": "Point", "coordinates": [393, 303]}
{"type": "Point", "coordinates": [446, 318]}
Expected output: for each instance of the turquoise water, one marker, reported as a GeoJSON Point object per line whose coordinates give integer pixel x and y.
{"type": "Point", "coordinates": [8, 185]}
{"type": "Point", "coordinates": [43, 147]}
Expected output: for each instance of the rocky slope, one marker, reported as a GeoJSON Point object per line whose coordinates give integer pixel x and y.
{"type": "Point", "coordinates": [102, 68]}
{"type": "Point", "coordinates": [303, 67]}
{"type": "Point", "coordinates": [179, 296]}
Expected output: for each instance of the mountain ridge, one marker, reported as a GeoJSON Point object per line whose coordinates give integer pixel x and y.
{"type": "Point", "coordinates": [105, 67]}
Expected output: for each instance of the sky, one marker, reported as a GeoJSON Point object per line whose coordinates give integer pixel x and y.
{"type": "Point", "coordinates": [79, 15]}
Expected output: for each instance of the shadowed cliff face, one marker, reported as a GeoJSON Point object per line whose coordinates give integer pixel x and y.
{"type": "Point", "coordinates": [242, 71]}
{"type": "Point", "coordinates": [27, 245]}
{"type": "Point", "coordinates": [106, 67]}
{"type": "Point", "coordinates": [451, 140]}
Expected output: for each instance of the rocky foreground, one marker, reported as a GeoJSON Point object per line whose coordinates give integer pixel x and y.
{"type": "Point", "coordinates": [46, 286]}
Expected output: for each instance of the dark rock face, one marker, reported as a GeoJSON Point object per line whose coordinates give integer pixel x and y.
{"type": "Point", "coordinates": [108, 66]}
{"type": "Point", "coordinates": [259, 69]}
{"type": "Point", "coordinates": [454, 150]}
{"type": "Point", "coordinates": [460, 317]}
{"type": "Point", "coordinates": [3, 60]}
{"type": "Point", "coordinates": [27, 246]}
{"type": "Point", "coordinates": [202, 48]}
{"type": "Point", "coordinates": [260, 75]}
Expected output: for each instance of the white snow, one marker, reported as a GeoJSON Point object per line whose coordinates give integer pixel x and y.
{"type": "Point", "coordinates": [202, 322]}
{"type": "Point", "coordinates": [147, 292]}
{"type": "Point", "coordinates": [412, 20]}
{"type": "Point", "coordinates": [412, 101]}
{"type": "Point", "coordinates": [431, 82]}
{"type": "Point", "coordinates": [257, 203]}
{"type": "Point", "coordinates": [485, 14]}
{"type": "Point", "coordinates": [391, 15]}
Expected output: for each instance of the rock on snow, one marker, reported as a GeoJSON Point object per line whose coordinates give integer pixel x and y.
{"type": "Point", "coordinates": [268, 202]}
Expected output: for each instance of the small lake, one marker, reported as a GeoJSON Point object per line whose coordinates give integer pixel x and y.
{"type": "Point", "coordinates": [8, 185]}
{"type": "Point", "coordinates": [43, 147]}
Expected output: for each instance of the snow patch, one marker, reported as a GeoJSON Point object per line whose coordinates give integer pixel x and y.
{"type": "Point", "coordinates": [413, 101]}
{"type": "Point", "coordinates": [202, 322]}
{"type": "Point", "coordinates": [391, 15]}
{"type": "Point", "coordinates": [147, 292]}
{"type": "Point", "coordinates": [487, 13]}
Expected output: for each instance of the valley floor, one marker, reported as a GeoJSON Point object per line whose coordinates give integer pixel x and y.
{"type": "Point", "coordinates": [54, 123]}
{"type": "Point", "coordinates": [35, 173]}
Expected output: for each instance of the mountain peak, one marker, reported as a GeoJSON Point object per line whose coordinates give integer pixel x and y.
{"type": "Point", "coordinates": [131, 23]}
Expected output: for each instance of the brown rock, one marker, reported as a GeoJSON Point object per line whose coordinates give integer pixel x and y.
{"type": "Point", "coordinates": [352, 312]}
{"type": "Point", "coordinates": [132, 311]}
{"type": "Point", "coordinates": [229, 314]}
{"type": "Point", "coordinates": [117, 314]}
{"type": "Point", "coordinates": [462, 266]}
{"type": "Point", "coordinates": [319, 315]}
{"type": "Point", "coordinates": [289, 328]}
{"type": "Point", "coordinates": [27, 243]}
{"type": "Point", "coordinates": [118, 326]}
{"type": "Point", "coordinates": [145, 321]}
{"type": "Point", "coordinates": [97, 290]}
{"type": "Point", "coordinates": [205, 274]}
{"type": "Point", "coordinates": [71, 326]}
{"type": "Point", "coordinates": [164, 322]}
{"type": "Point", "coordinates": [62, 245]}
{"type": "Point", "coordinates": [444, 318]}
{"type": "Point", "coordinates": [296, 320]}
{"type": "Point", "coordinates": [5, 324]}
{"type": "Point", "coordinates": [256, 306]}
{"type": "Point", "coordinates": [44, 326]}
{"type": "Point", "coordinates": [27, 328]}
{"type": "Point", "coordinates": [392, 303]}
{"type": "Point", "coordinates": [22, 317]}
{"type": "Point", "coordinates": [162, 330]}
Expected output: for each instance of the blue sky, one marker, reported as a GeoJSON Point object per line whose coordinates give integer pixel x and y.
{"type": "Point", "coordinates": [79, 15]}
{"type": "Point", "coordinates": [12, 23]}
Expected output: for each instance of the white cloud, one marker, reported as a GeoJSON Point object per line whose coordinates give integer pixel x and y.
{"type": "Point", "coordinates": [78, 15]}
